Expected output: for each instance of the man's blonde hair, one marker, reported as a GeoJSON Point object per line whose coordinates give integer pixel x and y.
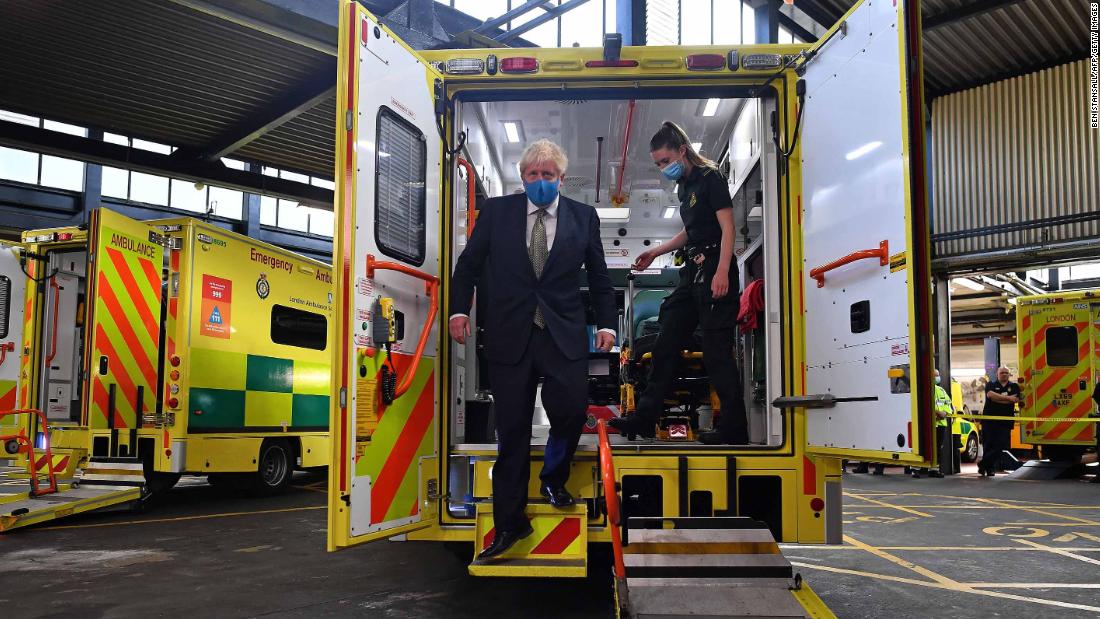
{"type": "Point", "coordinates": [541, 151]}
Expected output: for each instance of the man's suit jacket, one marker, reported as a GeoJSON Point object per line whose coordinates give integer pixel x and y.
{"type": "Point", "coordinates": [497, 255]}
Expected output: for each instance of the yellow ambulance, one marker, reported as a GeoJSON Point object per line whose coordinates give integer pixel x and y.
{"type": "Point", "coordinates": [156, 349]}
{"type": "Point", "coordinates": [1058, 339]}
{"type": "Point", "coordinates": [829, 138]}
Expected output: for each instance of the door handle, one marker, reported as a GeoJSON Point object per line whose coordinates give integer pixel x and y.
{"type": "Point", "coordinates": [882, 253]}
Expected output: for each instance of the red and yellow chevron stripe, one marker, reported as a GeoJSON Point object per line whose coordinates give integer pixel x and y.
{"type": "Point", "coordinates": [1055, 392]}
{"type": "Point", "coordinates": [554, 535]}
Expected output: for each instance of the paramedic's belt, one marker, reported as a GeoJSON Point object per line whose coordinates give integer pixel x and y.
{"type": "Point", "coordinates": [698, 254]}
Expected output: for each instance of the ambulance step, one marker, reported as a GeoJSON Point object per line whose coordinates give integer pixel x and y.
{"type": "Point", "coordinates": [710, 567]}
{"type": "Point", "coordinates": [113, 472]}
{"type": "Point", "coordinates": [21, 510]}
{"type": "Point", "coordinates": [557, 548]}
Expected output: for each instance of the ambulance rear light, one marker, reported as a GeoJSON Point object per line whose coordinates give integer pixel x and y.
{"type": "Point", "coordinates": [761, 62]}
{"type": "Point", "coordinates": [602, 64]}
{"type": "Point", "coordinates": [519, 64]}
{"type": "Point", "coordinates": [465, 66]}
{"type": "Point", "coordinates": [174, 360]}
{"type": "Point", "coordinates": [706, 62]}
{"type": "Point", "coordinates": [817, 504]}
{"type": "Point", "coordinates": [173, 402]}
{"type": "Point", "coordinates": [174, 375]}
{"type": "Point", "coordinates": [64, 236]}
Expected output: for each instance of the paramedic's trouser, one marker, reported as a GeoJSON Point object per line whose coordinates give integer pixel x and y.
{"type": "Point", "coordinates": [996, 438]}
{"type": "Point", "coordinates": [565, 398]}
{"type": "Point", "coordinates": [691, 305]}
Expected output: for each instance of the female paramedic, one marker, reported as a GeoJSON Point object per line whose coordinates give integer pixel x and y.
{"type": "Point", "coordinates": [706, 297]}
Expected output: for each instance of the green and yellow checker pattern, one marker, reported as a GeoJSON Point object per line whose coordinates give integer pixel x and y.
{"type": "Point", "coordinates": [233, 392]}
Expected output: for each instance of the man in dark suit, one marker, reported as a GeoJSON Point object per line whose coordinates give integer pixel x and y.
{"type": "Point", "coordinates": [531, 247]}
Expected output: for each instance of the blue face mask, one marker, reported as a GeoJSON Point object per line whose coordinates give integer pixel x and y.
{"type": "Point", "coordinates": [541, 192]}
{"type": "Point", "coordinates": [673, 171]}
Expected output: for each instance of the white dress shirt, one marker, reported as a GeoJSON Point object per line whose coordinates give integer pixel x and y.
{"type": "Point", "coordinates": [550, 221]}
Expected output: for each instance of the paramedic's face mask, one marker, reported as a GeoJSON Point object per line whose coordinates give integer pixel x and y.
{"type": "Point", "coordinates": [541, 180]}
{"type": "Point", "coordinates": [937, 378]}
{"type": "Point", "coordinates": [670, 162]}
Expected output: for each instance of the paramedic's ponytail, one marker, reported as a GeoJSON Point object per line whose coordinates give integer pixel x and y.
{"type": "Point", "coordinates": [672, 136]}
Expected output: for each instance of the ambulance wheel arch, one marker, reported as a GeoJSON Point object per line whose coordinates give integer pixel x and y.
{"type": "Point", "coordinates": [387, 247]}
{"type": "Point", "coordinates": [865, 239]}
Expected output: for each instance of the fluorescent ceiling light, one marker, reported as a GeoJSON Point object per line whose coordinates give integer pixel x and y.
{"type": "Point", "coordinates": [670, 212]}
{"type": "Point", "coordinates": [615, 213]}
{"type": "Point", "coordinates": [969, 283]}
{"type": "Point", "coordinates": [511, 130]}
{"type": "Point", "coordinates": [696, 146]}
{"type": "Point", "coordinates": [862, 150]}
{"type": "Point", "coordinates": [711, 107]}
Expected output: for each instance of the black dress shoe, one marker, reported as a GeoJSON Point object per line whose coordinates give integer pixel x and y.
{"type": "Point", "coordinates": [504, 540]}
{"type": "Point", "coordinates": [715, 437]}
{"type": "Point", "coordinates": [633, 426]}
{"type": "Point", "coordinates": [558, 495]}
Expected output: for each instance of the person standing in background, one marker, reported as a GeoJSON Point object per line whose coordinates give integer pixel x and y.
{"type": "Point", "coordinates": [1001, 398]}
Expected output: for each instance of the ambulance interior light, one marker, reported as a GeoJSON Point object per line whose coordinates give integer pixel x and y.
{"type": "Point", "coordinates": [519, 64]}
{"type": "Point", "coordinates": [465, 66]}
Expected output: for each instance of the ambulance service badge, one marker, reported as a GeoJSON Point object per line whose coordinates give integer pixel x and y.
{"type": "Point", "coordinates": [263, 287]}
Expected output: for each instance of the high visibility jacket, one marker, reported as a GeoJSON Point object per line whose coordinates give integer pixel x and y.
{"type": "Point", "coordinates": [943, 405]}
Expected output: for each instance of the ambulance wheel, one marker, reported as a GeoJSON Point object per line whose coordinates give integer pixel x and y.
{"type": "Point", "coordinates": [970, 454]}
{"type": "Point", "coordinates": [274, 468]}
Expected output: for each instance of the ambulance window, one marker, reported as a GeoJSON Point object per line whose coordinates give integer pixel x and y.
{"type": "Point", "coordinates": [400, 206]}
{"type": "Point", "coordinates": [1062, 346]}
{"type": "Point", "coordinates": [295, 327]}
{"type": "Point", "coordinates": [5, 304]}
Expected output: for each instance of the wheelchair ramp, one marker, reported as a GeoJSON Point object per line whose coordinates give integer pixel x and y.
{"type": "Point", "coordinates": [710, 567]}
{"type": "Point", "coordinates": [99, 485]}
{"type": "Point", "coordinates": [557, 548]}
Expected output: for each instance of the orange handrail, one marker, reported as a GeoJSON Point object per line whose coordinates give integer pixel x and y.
{"type": "Point", "coordinates": [26, 445]}
{"type": "Point", "coordinates": [56, 313]}
{"type": "Point", "coordinates": [882, 253]}
{"type": "Point", "coordinates": [618, 198]}
{"type": "Point", "coordinates": [471, 214]}
{"type": "Point", "coordinates": [5, 348]}
{"type": "Point", "coordinates": [611, 498]}
{"type": "Point", "coordinates": [431, 285]}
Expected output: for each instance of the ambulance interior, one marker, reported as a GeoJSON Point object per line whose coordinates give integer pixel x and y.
{"type": "Point", "coordinates": [61, 323]}
{"type": "Point", "coordinates": [593, 133]}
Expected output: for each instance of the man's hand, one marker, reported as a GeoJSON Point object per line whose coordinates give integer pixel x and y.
{"type": "Point", "coordinates": [459, 326]}
{"type": "Point", "coordinates": [643, 261]}
{"type": "Point", "coordinates": [720, 283]}
{"type": "Point", "coordinates": [604, 341]}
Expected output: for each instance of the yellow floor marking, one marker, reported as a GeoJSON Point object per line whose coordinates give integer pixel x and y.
{"type": "Point", "coordinates": [1059, 551]}
{"type": "Point", "coordinates": [1094, 507]}
{"type": "Point", "coordinates": [801, 547]}
{"type": "Point", "coordinates": [927, 573]}
{"type": "Point", "coordinates": [1038, 511]}
{"type": "Point", "coordinates": [251, 549]}
{"type": "Point", "coordinates": [1032, 585]}
{"type": "Point", "coordinates": [1052, 524]}
{"type": "Point", "coordinates": [885, 504]}
{"type": "Point", "coordinates": [181, 518]}
{"type": "Point", "coordinates": [959, 587]}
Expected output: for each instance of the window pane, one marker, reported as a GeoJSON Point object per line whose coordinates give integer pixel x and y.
{"type": "Point", "coordinates": [400, 210]}
{"type": "Point", "coordinates": [226, 202]}
{"type": "Point", "coordinates": [294, 176]}
{"type": "Point", "coordinates": [62, 173]}
{"type": "Point", "coordinates": [233, 163]}
{"type": "Point", "coordinates": [748, 24]}
{"type": "Point", "coordinates": [321, 222]}
{"type": "Point", "coordinates": [186, 197]}
{"type": "Point", "coordinates": [695, 22]}
{"type": "Point", "coordinates": [610, 17]}
{"type": "Point", "coordinates": [148, 188]}
{"type": "Point", "coordinates": [727, 22]}
{"type": "Point", "coordinates": [662, 22]}
{"type": "Point", "coordinates": [64, 128]}
{"type": "Point", "coordinates": [583, 25]}
{"type": "Point", "coordinates": [1062, 346]}
{"type": "Point", "coordinates": [115, 182]}
{"type": "Point", "coordinates": [22, 119]}
{"type": "Point", "coordinates": [163, 149]}
{"type": "Point", "coordinates": [784, 36]}
{"type": "Point", "coordinates": [545, 35]}
{"type": "Point", "coordinates": [5, 304]}
{"type": "Point", "coordinates": [295, 327]}
{"type": "Point", "coordinates": [268, 171]}
{"type": "Point", "coordinates": [292, 216]}
{"type": "Point", "coordinates": [18, 165]}
{"type": "Point", "coordinates": [320, 182]}
{"type": "Point", "coordinates": [112, 138]}
{"type": "Point", "coordinates": [269, 208]}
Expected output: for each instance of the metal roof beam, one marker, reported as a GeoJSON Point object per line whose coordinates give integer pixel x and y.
{"type": "Point", "coordinates": [973, 9]}
{"type": "Point", "coordinates": [310, 24]}
{"type": "Point", "coordinates": [510, 15]}
{"type": "Point", "coordinates": [295, 101]}
{"type": "Point", "coordinates": [796, 29]}
{"type": "Point", "coordinates": [540, 20]}
{"type": "Point", "coordinates": [818, 13]}
{"type": "Point", "coordinates": [23, 137]}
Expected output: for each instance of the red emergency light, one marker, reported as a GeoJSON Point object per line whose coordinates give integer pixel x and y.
{"type": "Point", "coordinates": [600, 64]}
{"type": "Point", "coordinates": [706, 62]}
{"type": "Point", "coordinates": [519, 64]}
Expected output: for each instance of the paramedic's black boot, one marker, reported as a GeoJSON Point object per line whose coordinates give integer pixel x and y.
{"type": "Point", "coordinates": [633, 426]}
{"type": "Point", "coordinates": [717, 437]}
{"type": "Point", "coordinates": [503, 541]}
{"type": "Point", "coordinates": [558, 495]}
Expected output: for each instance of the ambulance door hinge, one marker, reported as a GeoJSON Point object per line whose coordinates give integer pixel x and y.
{"type": "Point", "coordinates": [433, 490]}
{"type": "Point", "coordinates": [349, 120]}
{"type": "Point", "coordinates": [346, 498]}
{"type": "Point", "coordinates": [343, 397]}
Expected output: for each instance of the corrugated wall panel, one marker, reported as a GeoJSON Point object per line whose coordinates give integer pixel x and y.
{"type": "Point", "coordinates": [1015, 164]}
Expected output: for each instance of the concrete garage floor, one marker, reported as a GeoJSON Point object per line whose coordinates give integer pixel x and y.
{"type": "Point", "coordinates": [961, 547]}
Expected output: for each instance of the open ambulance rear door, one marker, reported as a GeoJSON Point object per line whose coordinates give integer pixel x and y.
{"type": "Point", "coordinates": [384, 476]}
{"type": "Point", "coordinates": [866, 273]}
{"type": "Point", "coordinates": [13, 288]}
{"type": "Point", "coordinates": [122, 351]}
